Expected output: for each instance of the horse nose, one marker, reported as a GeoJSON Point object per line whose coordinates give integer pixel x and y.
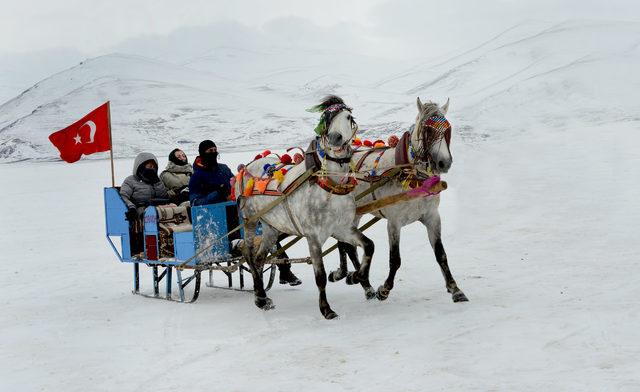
{"type": "Point", "coordinates": [444, 165]}
{"type": "Point", "coordinates": [335, 139]}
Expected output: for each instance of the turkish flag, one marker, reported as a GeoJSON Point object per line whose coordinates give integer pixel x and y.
{"type": "Point", "coordinates": [86, 136]}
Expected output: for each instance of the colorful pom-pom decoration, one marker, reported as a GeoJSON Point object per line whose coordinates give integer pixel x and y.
{"type": "Point", "coordinates": [266, 153]}
{"type": "Point", "coordinates": [357, 142]}
{"type": "Point", "coordinates": [284, 171]}
{"type": "Point", "coordinates": [368, 143]}
{"type": "Point", "coordinates": [278, 176]}
{"type": "Point", "coordinates": [266, 167]}
{"type": "Point", "coordinates": [248, 189]}
{"type": "Point", "coordinates": [378, 144]}
{"type": "Point", "coordinates": [298, 158]}
{"type": "Point", "coordinates": [285, 159]}
{"type": "Point", "coordinates": [393, 141]}
{"type": "Point", "coordinates": [259, 156]}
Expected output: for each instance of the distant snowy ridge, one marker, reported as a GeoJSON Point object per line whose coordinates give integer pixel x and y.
{"type": "Point", "coordinates": [533, 73]}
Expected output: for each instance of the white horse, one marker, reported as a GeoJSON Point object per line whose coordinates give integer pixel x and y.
{"type": "Point", "coordinates": [316, 210]}
{"type": "Point", "coordinates": [427, 151]}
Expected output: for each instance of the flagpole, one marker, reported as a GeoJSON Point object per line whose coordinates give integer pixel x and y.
{"type": "Point", "coordinates": [113, 176]}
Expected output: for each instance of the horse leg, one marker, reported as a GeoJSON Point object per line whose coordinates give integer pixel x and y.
{"type": "Point", "coordinates": [256, 260]}
{"type": "Point", "coordinates": [432, 223]}
{"type": "Point", "coordinates": [315, 251]}
{"type": "Point", "coordinates": [361, 275]}
{"type": "Point", "coordinates": [342, 270]}
{"type": "Point", "coordinates": [393, 231]}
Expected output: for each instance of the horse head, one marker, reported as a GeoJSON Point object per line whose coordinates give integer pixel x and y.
{"type": "Point", "coordinates": [337, 127]}
{"type": "Point", "coordinates": [431, 137]}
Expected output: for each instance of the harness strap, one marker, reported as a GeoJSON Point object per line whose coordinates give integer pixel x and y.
{"type": "Point", "coordinates": [291, 217]}
{"type": "Point", "coordinates": [299, 181]}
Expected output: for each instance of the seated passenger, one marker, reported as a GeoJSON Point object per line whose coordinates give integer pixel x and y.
{"type": "Point", "coordinates": [176, 176]}
{"type": "Point", "coordinates": [210, 181]}
{"type": "Point", "coordinates": [143, 188]}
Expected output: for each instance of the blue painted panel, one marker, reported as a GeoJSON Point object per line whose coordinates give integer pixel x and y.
{"type": "Point", "coordinates": [116, 224]}
{"type": "Point", "coordinates": [184, 246]}
{"type": "Point", "coordinates": [115, 208]}
{"type": "Point", "coordinates": [209, 224]}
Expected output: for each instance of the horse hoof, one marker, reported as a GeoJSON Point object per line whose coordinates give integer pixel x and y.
{"type": "Point", "coordinates": [335, 276]}
{"type": "Point", "coordinates": [459, 296]}
{"type": "Point", "coordinates": [382, 293]}
{"type": "Point", "coordinates": [370, 293]}
{"type": "Point", "coordinates": [264, 303]}
{"type": "Point", "coordinates": [331, 315]}
{"type": "Point", "coordinates": [352, 278]}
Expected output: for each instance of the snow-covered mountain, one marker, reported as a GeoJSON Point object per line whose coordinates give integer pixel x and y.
{"type": "Point", "coordinates": [531, 73]}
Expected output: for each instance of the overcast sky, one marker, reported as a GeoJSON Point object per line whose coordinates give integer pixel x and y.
{"type": "Point", "coordinates": [38, 38]}
{"type": "Point", "coordinates": [94, 27]}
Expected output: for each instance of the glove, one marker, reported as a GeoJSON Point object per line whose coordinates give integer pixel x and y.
{"type": "Point", "coordinates": [223, 191]}
{"type": "Point", "coordinates": [131, 214]}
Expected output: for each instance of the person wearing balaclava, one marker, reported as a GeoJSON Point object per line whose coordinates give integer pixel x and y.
{"type": "Point", "coordinates": [209, 183]}
{"type": "Point", "coordinates": [176, 176]}
{"type": "Point", "coordinates": [143, 187]}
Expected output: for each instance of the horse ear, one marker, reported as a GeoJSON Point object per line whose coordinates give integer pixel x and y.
{"type": "Point", "coordinates": [445, 107]}
{"type": "Point", "coordinates": [419, 103]}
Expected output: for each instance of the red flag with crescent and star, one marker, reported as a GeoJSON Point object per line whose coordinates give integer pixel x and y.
{"type": "Point", "coordinates": [86, 136]}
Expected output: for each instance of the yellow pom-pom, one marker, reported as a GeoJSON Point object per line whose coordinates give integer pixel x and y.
{"type": "Point", "coordinates": [248, 188]}
{"type": "Point", "coordinates": [278, 176]}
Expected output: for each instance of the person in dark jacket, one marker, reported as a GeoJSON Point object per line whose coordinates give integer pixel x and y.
{"type": "Point", "coordinates": [143, 187]}
{"type": "Point", "coordinates": [176, 176]}
{"type": "Point", "coordinates": [209, 183]}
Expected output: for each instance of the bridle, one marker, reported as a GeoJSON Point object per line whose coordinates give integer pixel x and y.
{"type": "Point", "coordinates": [431, 127]}
{"type": "Point", "coordinates": [327, 117]}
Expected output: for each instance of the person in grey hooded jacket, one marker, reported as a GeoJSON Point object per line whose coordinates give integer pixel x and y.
{"type": "Point", "coordinates": [143, 188]}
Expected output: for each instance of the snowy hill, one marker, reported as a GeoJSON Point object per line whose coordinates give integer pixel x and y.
{"type": "Point", "coordinates": [539, 224]}
{"type": "Point", "coordinates": [579, 72]}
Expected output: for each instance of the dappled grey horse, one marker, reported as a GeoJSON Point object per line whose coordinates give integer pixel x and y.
{"type": "Point", "coordinates": [318, 209]}
{"type": "Point", "coordinates": [426, 150]}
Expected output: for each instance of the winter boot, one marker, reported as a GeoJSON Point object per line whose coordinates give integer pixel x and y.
{"type": "Point", "coordinates": [287, 277]}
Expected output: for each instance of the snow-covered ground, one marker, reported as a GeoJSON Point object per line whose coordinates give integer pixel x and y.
{"type": "Point", "coordinates": [540, 233]}
{"type": "Point", "coordinates": [539, 223]}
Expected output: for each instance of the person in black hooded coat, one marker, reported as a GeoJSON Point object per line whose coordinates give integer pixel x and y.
{"type": "Point", "coordinates": [209, 183]}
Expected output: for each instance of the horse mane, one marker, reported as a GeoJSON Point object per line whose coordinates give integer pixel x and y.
{"type": "Point", "coordinates": [429, 109]}
{"type": "Point", "coordinates": [326, 103]}
{"type": "Point", "coordinates": [330, 100]}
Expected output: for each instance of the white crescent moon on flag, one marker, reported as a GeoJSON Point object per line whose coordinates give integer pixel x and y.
{"type": "Point", "coordinates": [92, 134]}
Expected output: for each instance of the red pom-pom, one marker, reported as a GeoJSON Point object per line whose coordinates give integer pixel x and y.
{"type": "Point", "coordinates": [284, 171]}
{"type": "Point", "coordinates": [259, 156]}
{"type": "Point", "coordinates": [285, 159]}
{"type": "Point", "coordinates": [393, 141]}
{"type": "Point", "coordinates": [357, 142]}
{"type": "Point", "coordinates": [378, 144]}
{"type": "Point", "coordinates": [367, 143]}
{"type": "Point", "coordinates": [298, 158]}
{"type": "Point", "coordinates": [265, 153]}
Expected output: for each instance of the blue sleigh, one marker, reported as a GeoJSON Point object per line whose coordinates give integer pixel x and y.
{"type": "Point", "coordinates": [203, 244]}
